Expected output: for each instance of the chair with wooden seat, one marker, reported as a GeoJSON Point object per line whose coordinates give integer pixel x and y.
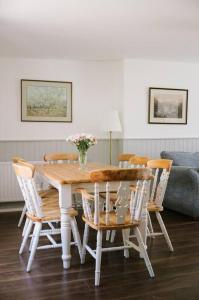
{"type": "Point", "coordinates": [42, 193]}
{"type": "Point", "coordinates": [60, 158]}
{"type": "Point", "coordinates": [134, 161]}
{"type": "Point", "coordinates": [126, 214]}
{"type": "Point", "coordinates": [40, 211]}
{"type": "Point", "coordinates": [161, 169]}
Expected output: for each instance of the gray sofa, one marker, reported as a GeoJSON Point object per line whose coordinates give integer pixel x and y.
{"type": "Point", "coordinates": [182, 194]}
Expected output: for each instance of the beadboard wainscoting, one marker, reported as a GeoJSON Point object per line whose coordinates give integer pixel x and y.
{"type": "Point", "coordinates": [34, 151]}
{"type": "Point", "coordinates": [9, 189]}
{"type": "Point", "coordinates": [153, 147]}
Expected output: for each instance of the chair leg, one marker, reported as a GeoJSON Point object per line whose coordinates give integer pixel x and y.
{"type": "Point", "coordinates": [76, 236]}
{"type": "Point", "coordinates": [113, 232]}
{"type": "Point", "coordinates": [38, 226]}
{"type": "Point", "coordinates": [32, 239]}
{"type": "Point", "coordinates": [164, 231]}
{"type": "Point", "coordinates": [144, 252]}
{"type": "Point", "coordinates": [85, 241]}
{"type": "Point", "coordinates": [26, 235]}
{"type": "Point", "coordinates": [98, 257]}
{"type": "Point", "coordinates": [25, 226]}
{"type": "Point", "coordinates": [125, 235]}
{"type": "Point", "coordinates": [150, 225]}
{"type": "Point", "coordinates": [22, 216]}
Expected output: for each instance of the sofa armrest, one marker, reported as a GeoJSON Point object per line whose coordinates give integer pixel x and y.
{"type": "Point", "coordinates": [182, 192]}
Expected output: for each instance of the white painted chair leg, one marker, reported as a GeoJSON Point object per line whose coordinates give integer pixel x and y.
{"type": "Point", "coordinates": [125, 235]}
{"type": "Point", "coordinates": [98, 257]}
{"type": "Point", "coordinates": [26, 235]}
{"type": "Point", "coordinates": [113, 232]}
{"type": "Point", "coordinates": [144, 252]}
{"type": "Point", "coordinates": [85, 241]}
{"type": "Point", "coordinates": [32, 238]}
{"type": "Point", "coordinates": [22, 216]}
{"type": "Point", "coordinates": [108, 233]}
{"type": "Point", "coordinates": [38, 226]}
{"type": "Point", "coordinates": [150, 225]}
{"type": "Point", "coordinates": [25, 226]}
{"type": "Point", "coordinates": [76, 236]}
{"type": "Point", "coordinates": [164, 231]}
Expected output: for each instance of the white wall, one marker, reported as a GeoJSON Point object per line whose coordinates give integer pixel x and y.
{"type": "Point", "coordinates": [139, 75]}
{"type": "Point", "coordinates": [97, 87]}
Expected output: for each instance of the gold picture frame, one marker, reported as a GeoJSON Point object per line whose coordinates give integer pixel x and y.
{"type": "Point", "coordinates": [46, 101]}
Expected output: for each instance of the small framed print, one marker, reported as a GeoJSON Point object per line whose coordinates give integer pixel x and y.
{"type": "Point", "coordinates": [46, 101]}
{"type": "Point", "coordinates": [167, 106]}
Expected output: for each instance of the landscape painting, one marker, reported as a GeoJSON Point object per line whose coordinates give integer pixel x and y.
{"type": "Point", "coordinates": [46, 101]}
{"type": "Point", "coordinates": [168, 106]}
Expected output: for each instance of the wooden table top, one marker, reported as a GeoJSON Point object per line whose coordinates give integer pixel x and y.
{"type": "Point", "coordinates": [70, 173]}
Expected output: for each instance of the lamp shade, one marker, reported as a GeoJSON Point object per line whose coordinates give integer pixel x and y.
{"type": "Point", "coordinates": [112, 122]}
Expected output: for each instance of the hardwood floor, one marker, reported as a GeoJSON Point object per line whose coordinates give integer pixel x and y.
{"type": "Point", "coordinates": [177, 274]}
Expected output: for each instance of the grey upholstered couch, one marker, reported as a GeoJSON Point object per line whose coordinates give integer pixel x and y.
{"type": "Point", "coordinates": [182, 194]}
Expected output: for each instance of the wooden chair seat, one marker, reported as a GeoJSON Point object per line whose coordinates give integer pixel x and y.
{"type": "Point", "coordinates": [152, 207]}
{"type": "Point", "coordinates": [51, 211]}
{"type": "Point", "coordinates": [112, 222]}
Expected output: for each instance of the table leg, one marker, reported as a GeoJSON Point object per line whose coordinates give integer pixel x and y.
{"type": "Point", "coordinates": [65, 203]}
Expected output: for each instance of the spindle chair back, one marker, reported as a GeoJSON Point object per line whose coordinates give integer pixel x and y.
{"type": "Point", "coordinates": [25, 175]}
{"type": "Point", "coordinates": [138, 161]}
{"type": "Point", "coordinates": [161, 170]}
{"type": "Point", "coordinates": [125, 214]}
{"type": "Point", "coordinates": [124, 158]}
{"type": "Point", "coordinates": [17, 159]}
{"type": "Point", "coordinates": [123, 162]}
{"type": "Point", "coordinates": [61, 157]}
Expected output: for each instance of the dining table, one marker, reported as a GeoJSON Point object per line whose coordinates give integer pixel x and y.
{"type": "Point", "coordinates": [66, 178]}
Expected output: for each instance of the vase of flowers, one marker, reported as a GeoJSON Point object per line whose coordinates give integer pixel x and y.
{"type": "Point", "coordinates": [83, 142]}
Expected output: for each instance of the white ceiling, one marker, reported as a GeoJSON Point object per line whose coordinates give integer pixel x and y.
{"type": "Point", "coordinates": [100, 29]}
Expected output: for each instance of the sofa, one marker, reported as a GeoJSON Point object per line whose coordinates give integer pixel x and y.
{"type": "Point", "coordinates": [182, 194]}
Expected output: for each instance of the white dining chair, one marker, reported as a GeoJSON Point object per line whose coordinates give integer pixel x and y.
{"type": "Point", "coordinates": [125, 214]}
{"type": "Point", "coordinates": [161, 169]}
{"type": "Point", "coordinates": [39, 212]}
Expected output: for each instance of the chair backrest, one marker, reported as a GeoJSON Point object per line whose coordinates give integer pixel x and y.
{"type": "Point", "coordinates": [25, 175]}
{"type": "Point", "coordinates": [124, 158]}
{"type": "Point", "coordinates": [161, 169]}
{"type": "Point", "coordinates": [38, 179]}
{"type": "Point", "coordinates": [122, 207]}
{"type": "Point", "coordinates": [138, 161]}
{"type": "Point", "coordinates": [61, 157]}
{"type": "Point", "coordinates": [16, 159]}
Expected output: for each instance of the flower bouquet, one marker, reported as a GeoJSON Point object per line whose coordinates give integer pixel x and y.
{"type": "Point", "coordinates": [83, 142]}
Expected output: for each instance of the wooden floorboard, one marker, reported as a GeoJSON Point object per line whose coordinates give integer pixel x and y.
{"type": "Point", "coordinates": [177, 274]}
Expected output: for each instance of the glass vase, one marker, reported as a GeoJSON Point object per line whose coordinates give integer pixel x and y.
{"type": "Point", "coordinates": [82, 160]}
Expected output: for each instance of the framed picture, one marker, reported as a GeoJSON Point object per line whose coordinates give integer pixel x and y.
{"type": "Point", "coordinates": [167, 106]}
{"type": "Point", "coordinates": [46, 101]}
